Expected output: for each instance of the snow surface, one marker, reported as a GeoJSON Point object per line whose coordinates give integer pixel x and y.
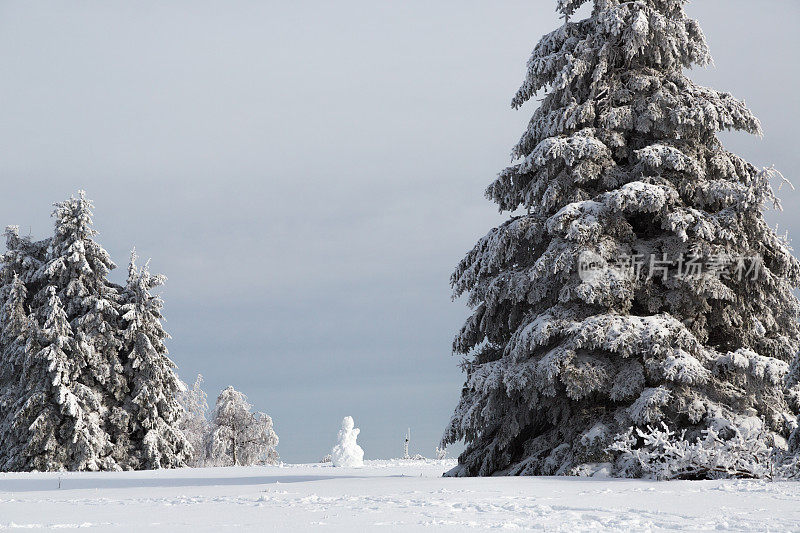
{"type": "Point", "coordinates": [396, 495]}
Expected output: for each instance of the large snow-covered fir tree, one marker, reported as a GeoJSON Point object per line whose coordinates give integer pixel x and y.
{"type": "Point", "coordinates": [78, 267]}
{"type": "Point", "coordinates": [154, 410]}
{"type": "Point", "coordinates": [63, 275]}
{"type": "Point", "coordinates": [636, 282]}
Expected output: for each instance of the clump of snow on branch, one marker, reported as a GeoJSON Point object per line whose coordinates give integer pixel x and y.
{"type": "Point", "coordinates": [726, 451]}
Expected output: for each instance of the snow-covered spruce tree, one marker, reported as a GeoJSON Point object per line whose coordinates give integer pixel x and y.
{"type": "Point", "coordinates": [16, 329]}
{"type": "Point", "coordinates": [77, 266]}
{"type": "Point", "coordinates": [55, 423]}
{"type": "Point", "coordinates": [18, 266]}
{"type": "Point", "coordinates": [153, 407]}
{"type": "Point", "coordinates": [17, 332]}
{"type": "Point", "coordinates": [194, 423]}
{"type": "Point", "coordinates": [129, 418]}
{"type": "Point", "coordinates": [621, 161]}
{"type": "Point", "coordinates": [239, 437]}
{"type": "Point", "coordinates": [35, 436]}
{"type": "Point", "coordinates": [23, 257]}
{"type": "Point", "coordinates": [73, 265]}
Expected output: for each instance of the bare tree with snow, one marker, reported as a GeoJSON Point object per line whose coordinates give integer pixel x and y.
{"type": "Point", "coordinates": [441, 453]}
{"type": "Point", "coordinates": [194, 423]}
{"type": "Point", "coordinates": [239, 436]}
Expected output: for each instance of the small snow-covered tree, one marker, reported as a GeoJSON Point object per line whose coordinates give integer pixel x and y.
{"type": "Point", "coordinates": [194, 423]}
{"type": "Point", "coordinates": [620, 169]}
{"type": "Point", "coordinates": [238, 436]}
{"type": "Point", "coordinates": [154, 405]}
{"type": "Point", "coordinates": [347, 452]}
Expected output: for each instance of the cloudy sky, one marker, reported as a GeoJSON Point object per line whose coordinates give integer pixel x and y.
{"type": "Point", "coordinates": [308, 173]}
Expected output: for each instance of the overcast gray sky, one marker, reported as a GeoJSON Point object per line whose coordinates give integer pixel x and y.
{"type": "Point", "coordinates": [308, 173]}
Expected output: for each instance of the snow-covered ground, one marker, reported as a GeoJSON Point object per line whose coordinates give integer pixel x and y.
{"type": "Point", "coordinates": [384, 496]}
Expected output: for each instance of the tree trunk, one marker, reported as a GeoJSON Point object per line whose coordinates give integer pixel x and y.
{"type": "Point", "coordinates": [233, 445]}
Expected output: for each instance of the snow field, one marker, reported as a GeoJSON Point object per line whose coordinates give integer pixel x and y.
{"type": "Point", "coordinates": [386, 496]}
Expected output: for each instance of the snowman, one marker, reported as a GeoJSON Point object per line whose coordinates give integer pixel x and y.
{"type": "Point", "coordinates": [347, 452]}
